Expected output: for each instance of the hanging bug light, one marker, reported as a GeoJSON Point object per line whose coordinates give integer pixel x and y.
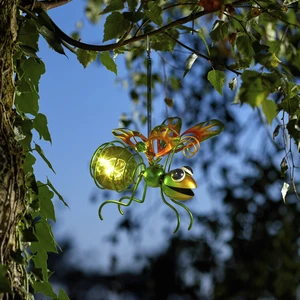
{"type": "Point", "coordinates": [119, 166]}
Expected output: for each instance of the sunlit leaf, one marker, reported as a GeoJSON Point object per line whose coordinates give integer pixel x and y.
{"type": "Point", "coordinates": [217, 79]}
{"type": "Point", "coordinates": [269, 108]}
{"type": "Point", "coordinates": [244, 46]}
{"type": "Point", "coordinates": [232, 84]}
{"type": "Point", "coordinates": [85, 57]}
{"type": "Point", "coordinates": [189, 63]}
{"type": "Point", "coordinates": [115, 26]}
{"type": "Point", "coordinates": [284, 190]}
{"type": "Point", "coordinates": [108, 62]}
{"type": "Point", "coordinates": [219, 31]}
{"type": "Point", "coordinates": [154, 13]}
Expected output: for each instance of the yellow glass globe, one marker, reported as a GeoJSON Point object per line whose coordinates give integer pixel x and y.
{"type": "Point", "coordinates": [114, 168]}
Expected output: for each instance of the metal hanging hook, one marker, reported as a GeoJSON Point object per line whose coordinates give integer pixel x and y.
{"type": "Point", "coordinates": [149, 96]}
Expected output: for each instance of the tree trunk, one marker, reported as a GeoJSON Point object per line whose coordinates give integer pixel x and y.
{"type": "Point", "coordinates": [12, 188]}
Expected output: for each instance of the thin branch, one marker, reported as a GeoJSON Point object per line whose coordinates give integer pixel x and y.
{"type": "Point", "coordinates": [203, 56]}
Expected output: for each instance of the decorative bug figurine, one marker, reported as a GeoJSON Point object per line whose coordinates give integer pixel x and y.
{"type": "Point", "coordinates": [119, 166]}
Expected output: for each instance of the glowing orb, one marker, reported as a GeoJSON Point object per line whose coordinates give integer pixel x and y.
{"type": "Point", "coordinates": [113, 167]}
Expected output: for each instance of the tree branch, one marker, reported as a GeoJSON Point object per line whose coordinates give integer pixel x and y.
{"type": "Point", "coordinates": [202, 55]}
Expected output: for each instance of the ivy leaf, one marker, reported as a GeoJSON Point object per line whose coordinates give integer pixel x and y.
{"type": "Point", "coordinates": [40, 123]}
{"type": "Point", "coordinates": [244, 46]}
{"type": "Point", "coordinates": [28, 35]}
{"type": "Point", "coordinates": [154, 13]}
{"type": "Point", "coordinates": [269, 108]}
{"type": "Point", "coordinates": [39, 150]}
{"type": "Point", "coordinates": [57, 193]}
{"type": "Point", "coordinates": [219, 31]}
{"type": "Point", "coordinates": [115, 26]}
{"type": "Point", "coordinates": [284, 190]}
{"type": "Point", "coordinates": [108, 62]}
{"type": "Point", "coordinates": [62, 295]}
{"type": "Point", "coordinates": [85, 57]}
{"type": "Point", "coordinates": [28, 235]}
{"type": "Point", "coordinates": [44, 287]}
{"type": "Point", "coordinates": [4, 282]}
{"type": "Point", "coordinates": [40, 262]}
{"type": "Point", "coordinates": [113, 5]}
{"type": "Point", "coordinates": [45, 237]}
{"type": "Point", "coordinates": [27, 102]}
{"type": "Point", "coordinates": [18, 257]}
{"type": "Point", "coordinates": [189, 63]}
{"type": "Point", "coordinates": [46, 205]}
{"type": "Point", "coordinates": [217, 79]}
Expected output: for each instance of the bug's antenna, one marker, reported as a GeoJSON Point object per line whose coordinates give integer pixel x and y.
{"type": "Point", "coordinates": [149, 108]}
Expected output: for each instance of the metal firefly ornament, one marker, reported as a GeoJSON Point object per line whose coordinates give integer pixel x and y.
{"type": "Point", "coordinates": [118, 165]}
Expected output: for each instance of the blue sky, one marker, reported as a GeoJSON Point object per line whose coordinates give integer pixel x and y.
{"type": "Point", "coordinates": [82, 107]}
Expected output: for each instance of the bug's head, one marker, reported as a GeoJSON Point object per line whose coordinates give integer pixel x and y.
{"type": "Point", "coordinates": [178, 183]}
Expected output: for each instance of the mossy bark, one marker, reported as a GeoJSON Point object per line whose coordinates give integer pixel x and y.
{"type": "Point", "coordinates": [12, 188]}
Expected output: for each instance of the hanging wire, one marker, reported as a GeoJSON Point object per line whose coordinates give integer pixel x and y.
{"type": "Point", "coordinates": [149, 108]}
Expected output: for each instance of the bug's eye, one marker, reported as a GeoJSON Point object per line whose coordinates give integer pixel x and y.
{"type": "Point", "coordinates": [178, 175]}
{"type": "Point", "coordinates": [188, 170]}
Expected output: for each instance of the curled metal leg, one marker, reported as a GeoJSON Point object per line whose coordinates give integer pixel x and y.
{"type": "Point", "coordinates": [188, 210]}
{"type": "Point", "coordinates": [174, 209]}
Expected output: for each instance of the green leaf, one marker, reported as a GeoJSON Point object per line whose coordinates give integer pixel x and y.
{"type": "Point", "coordinates": [189, 63]}
{"type": "Point", "coordinates": [33, 69]}
{"type": "Point", "coordinates": [52, 39]}
{"type": "Point", "coordinates": [39, 150]}
{"type": "Point", "coordinates": [44, 287]}
{"type": "Point", "coordinates": [92, 10]}
{"type": "Point", "coordinates": [113, 5]}
{"type": "Point", "coordinates": [200, 33]}
{"type": "Point", "coordinates": [45, 237]}
{"type": "Point", "coordinates": [56, 192]}
{"type": "Point", "coordinates": [85, 57]}
{"type": "Point", "coordinates": [30, 182]}
{"type": "Point", "coordinates": [244, 46]}
{"type": "Point", "coordinates": [154, 13]}
{"type": "Point", "coordinates": [115, 26]}
{"type": "Point", "coordinates": [269, 108]}
{"type": "Point", "coordinates": [62, 295]}
{"type": "Point", "coordinates": [108, 62]}
{"type": "Point", "coordinates": [219, 31]}
{"type": "Point", "coordinates": [4, 282]}
{"type": "Point", "coordinates": [27, 102]}
{"type": "Point", "coordinates": [38, 273]}
{"type": "Point", "coordinates": [46, 205]}
{"type": "Point", "coordinates": [134, 16]}
{"type": "Point", "coordinates": [28, 235]}
{"type": "Point", "coordinates": [40, 123]}
{"type": "Point", "coordinates": [217, 79]}
{"type": "Point", "coordinates": [284, 190]}
{"type": "Point", "coordinates": [18, 257]}
{"type": "Point", "coordinates": [28, 35]}
{"type": "Point", "coordinates": [40, 258]}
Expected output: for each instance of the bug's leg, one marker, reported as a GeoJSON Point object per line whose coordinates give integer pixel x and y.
{"type": "Point", "coordinates": [132, 198]}
{"type": "Point", "coordinates": [173, 208]}
{"type": "Point", "coordinates": [188, 210]}
{"type": "Point", "coordinates": [119, 203]}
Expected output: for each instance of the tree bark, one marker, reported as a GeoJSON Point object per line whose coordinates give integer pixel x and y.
{"type": "Point", "coordinates": [12, 187]}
